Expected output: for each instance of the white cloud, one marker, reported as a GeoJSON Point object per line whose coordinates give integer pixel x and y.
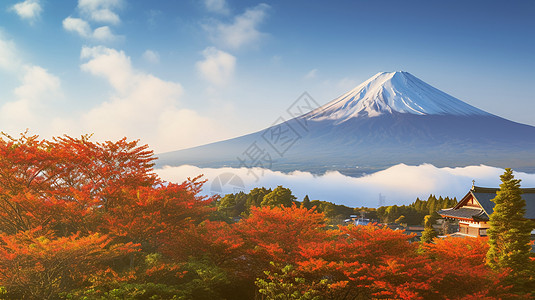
{"type": "Point", "coordinates": [217, 6]}
{"type": "Point", "coordinates": [217, 66]}
{"type": "Point", "coordinates": [151, 56]}
{"type": "Point", "coordinates": [104, 34]}
{"type": "Point", "coordinates": [105, 16]}
{"type": "Point", "coordinates": [138, 105]}
{"type": "Point", "coordinates": [242, 31]}
{"type": "Point", "coordinates": [142, 106]}
{"type": "Point", "coordinates": [31, 104]}
{"type": "Point", "coordinates": [101, 10]}
{"type": "Point", "coordinates": [36, 83]}
{"type": "Point", "coordinates": [96, 11]}
{"type": "Point", "coordinates": [29, 9]}
{"type": "Point", "coordinates": [400, 184]}
{"type": "Point", "coordinates": [78, 26]}
{"type": "Point", "coordinates": [83, 29]}
{"type": "Point", "coordinates": [311, 74]}
{"type": "Point", "coordinates": [8, 55]}
{"type": "Point", "coordinates": [111, 64]}
{"type": "Point", "coordinates": [38, 89]}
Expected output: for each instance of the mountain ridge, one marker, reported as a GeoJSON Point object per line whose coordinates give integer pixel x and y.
{"type": "Point", "coordinates": [343, 136]}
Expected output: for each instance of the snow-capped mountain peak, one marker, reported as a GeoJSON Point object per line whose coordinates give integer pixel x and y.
{"type": "Point", "coordinates": [389, 93]}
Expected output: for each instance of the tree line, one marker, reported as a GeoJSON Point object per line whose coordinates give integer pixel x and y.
{"type": "Point", "coordinates": [237, 205]}
{"type": "Point", "coordinates": [414, 213]}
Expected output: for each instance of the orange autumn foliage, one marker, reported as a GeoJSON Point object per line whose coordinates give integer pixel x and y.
{"type": "Point", "coordinates": [78, 216]}
{"type": "Point", "coordinates": [70, 208]}
{"type": "Point", "coordinates": [279, 234]}
{"type": "Point", "coordinates": [36, 264]}
{"type": "Point", "coordinates": [65, 183]}
{"type": "Point", "coordinates": [156, 216]}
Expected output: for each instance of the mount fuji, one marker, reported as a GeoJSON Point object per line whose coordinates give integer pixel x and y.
{"type": "Point", "coordinates": [389, 119]}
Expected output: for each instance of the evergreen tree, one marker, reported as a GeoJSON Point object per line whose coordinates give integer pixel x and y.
{"type": "Point", "coordinates": [509, 232]}
{"type": "Point", "coordinates": [306, 203]}
{"type": "Point", "coordinates": [432, 204]}
{"type": "Point", "coordinates": [429, 233]}
{"type": "Point", "coordinates": [418, 204]}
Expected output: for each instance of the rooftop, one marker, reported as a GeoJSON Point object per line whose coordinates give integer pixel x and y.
{"type": "Point", "coordinates": [484, 195]}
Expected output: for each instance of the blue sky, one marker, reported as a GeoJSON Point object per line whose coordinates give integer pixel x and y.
{"type": "Point", "coordinates": [176, 74]}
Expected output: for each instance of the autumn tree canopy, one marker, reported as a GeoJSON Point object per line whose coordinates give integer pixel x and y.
{"type": "Point", "coordinates": [89, 220]}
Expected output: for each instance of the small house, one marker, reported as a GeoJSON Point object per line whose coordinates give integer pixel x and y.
{"type": "Point", "coordinates": [474, 210]}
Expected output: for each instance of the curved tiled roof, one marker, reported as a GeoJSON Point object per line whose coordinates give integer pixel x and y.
{"type": "Point", "coordinates": [464, 213]}
{"type": "Point", "coordinates": [484, 196]}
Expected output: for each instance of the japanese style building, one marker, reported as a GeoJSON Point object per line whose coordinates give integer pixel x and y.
{"type": "Point", "coordinates": [474, 210]}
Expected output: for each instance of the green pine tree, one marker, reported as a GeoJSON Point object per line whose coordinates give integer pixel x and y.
{"type": "Point", "coordinates": [509, 232]}
{"type": "Point", "coordinates": [429, 233]}
{"type": "Point", "coordinates": [418, 204]}
{"type": "Point", "coordinates": [432, 204]}
{"type": "Point", "coordinates": [306, 203]}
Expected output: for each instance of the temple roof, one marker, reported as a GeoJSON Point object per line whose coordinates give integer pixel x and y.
{"type": "Point", "coordinates": [484, 196]}
{"type": "Point", "coordinates": [464, 213]}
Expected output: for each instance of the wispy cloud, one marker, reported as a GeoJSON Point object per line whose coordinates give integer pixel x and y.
{"type": "Point", "coordinates": [38, 89]}
{"type": "Point", "coordinates": [105, 34]}
{"type": "Point", "coordinates": [217, 6]}
{"type": "Point", "coordinates": [83, 29]}
{"type": "Point", "coordinates": [151, 56]}
{"type": "Point", "coordinates": [77, 25]}
{"type": "Point", "coordinates": [141, 106]}
{"type": "Point", "coordinates": [32, 104]}
{"type": "Point", "coordinates": [400, 184]}
{"type": "Point", "coordinates": [28, 10]}
{"type": "Point", "coordinates": [311, 74]}
{"type": "Point", "coordinates": [9, 59]}
{"type": "Point", "coordinates": [101, 10]}
{"type": "Point", "coordinates": [243, 31]}
{"type": "Point", "coordinates": [217, 67]}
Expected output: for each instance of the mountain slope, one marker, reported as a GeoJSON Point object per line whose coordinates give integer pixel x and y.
{"type": "Point", "coordinates": [389, 119]}
{"type": "Point", "coordinates": [387, 93]}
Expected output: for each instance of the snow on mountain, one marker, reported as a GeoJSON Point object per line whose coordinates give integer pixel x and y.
{"type": "Point", "coordinates": [389, 93]}
{"type": "Point", "coordinates": [391, 118]}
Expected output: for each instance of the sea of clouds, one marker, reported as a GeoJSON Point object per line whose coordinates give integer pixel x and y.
{"type": "Point", "coordinates": [399, 185]}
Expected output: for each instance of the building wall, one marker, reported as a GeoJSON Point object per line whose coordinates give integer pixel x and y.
{"type": "Point", "coordinates": [471, 230]}
{"type": "Point", "coordinates": [463, 228]}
